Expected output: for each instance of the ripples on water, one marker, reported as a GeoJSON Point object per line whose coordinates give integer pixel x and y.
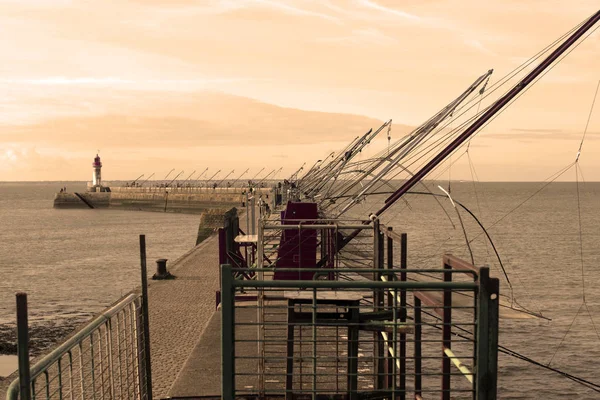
{"type": "Point", "coordinates": [78, 261]}
{"type": "Point", "coordinates": [540, 248]}
{"type": "Point", "coordinates": [75, 262]}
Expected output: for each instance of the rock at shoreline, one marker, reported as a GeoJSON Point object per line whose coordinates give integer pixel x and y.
{"type": "Point", "coordinates": [42, 335]}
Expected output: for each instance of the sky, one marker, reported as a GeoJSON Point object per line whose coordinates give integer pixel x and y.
{"type": "Point", "coordinates": [234, 84]}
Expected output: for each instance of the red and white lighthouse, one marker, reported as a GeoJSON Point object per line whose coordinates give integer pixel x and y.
{"type": "Point", "coordinates": [96, 176]}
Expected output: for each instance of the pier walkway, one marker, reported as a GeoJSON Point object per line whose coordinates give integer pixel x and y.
{"type": "Point", "coordinates": [180, 309]}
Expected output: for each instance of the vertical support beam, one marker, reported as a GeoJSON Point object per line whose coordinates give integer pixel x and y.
{"type": "Point", "coordinates": [446, 334]}
{"type": "Point", "coordinates": [23, 347]}
{"type": "Point", "coordinates": [261, 308]}
{"type": "Point", "coordinates": [227, 333]}
{"type": "Point", "coordinates": [353, 332]}
{"type": "Point", "coordinates": [145, 360]}
{"type": "Point", "coordinates": [253, 214]}
{"type": "Point", "coordinates": [417, 347]}
{"type": "Point", "coordinates": [403, 267]}
{"type": "Point", "coordinates": [391, 305]}
{"type": "Point", "coordinates": [248, 211]}
{"type": "Point", "coordinates": [289, 362]}
{"type": "Point", "coordinates": [379, 350]}
{"type": "Point", "coordinates": [487, 336]}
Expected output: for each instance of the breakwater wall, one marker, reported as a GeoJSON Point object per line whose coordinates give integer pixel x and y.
{"type": "Point", "coordinates": [185, 200]}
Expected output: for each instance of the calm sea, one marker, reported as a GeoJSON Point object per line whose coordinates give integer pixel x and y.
{"type": "Point", "coordinates": [77, 261]}
{"type": "Point", "coordinates": [539, 245]}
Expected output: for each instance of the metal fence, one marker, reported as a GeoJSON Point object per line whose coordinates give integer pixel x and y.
{"type": "Point", "coordinates": [402, 334]}
{"type": "Point", "coordinates": [104, 360]}
{"type": "Point", "coordinates": [108, 359]}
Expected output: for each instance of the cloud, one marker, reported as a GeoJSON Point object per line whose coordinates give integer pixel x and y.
{"type": "Point", "coordinates": [368, 36]}
{"type": "Point", "coordinates": [387, 10]}
{"type": "Point", "coordinates": [216, 7]}
{"type": "Point", "coordinates": [477, 45]}
{"type": "Point", "coordinates": [132, 84]}
{"type": "Point", "coordinates": [289, 9]}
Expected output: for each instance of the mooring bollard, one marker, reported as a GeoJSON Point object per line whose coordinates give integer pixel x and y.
{"type": "Point", "coordinates": [161, 270]}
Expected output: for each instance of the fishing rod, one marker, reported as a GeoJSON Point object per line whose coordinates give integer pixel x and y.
{"type": "Point", "coordinates": [309, 177]}
{"type": "Point", "coordinates": [168, 184]}
{"type": "Point", "coordinates": [166, 176]}
{"type": "Point", "coordinates": [479, 122]}
{"type": "Point", "coordinates": [239, 177]}
{"type": "Point", "coordinates": [222, 180]}
{"type": "Point", "coordinates": [262, 180]}
{"type": "Point", "coordinates": [347, 160]}
{"type": "Point", "coordinates": [211, 178]}
{"type": "Point", "coordinates": [135, 180]}
{"type": "Point", "coordinates": [188, 177]}
{"type": "Point", "coordinates": [142, 184]}
{"type": "Point", "coordinates": [407, 144]}
{"type": "Point", "coordinates": [342, 159]}
{"type": "Point", "coordinates": [199, 176]}
{"type": "Point", "coordinates": [253, 178]}
{"type": "Point", "coordinates": [295, 174]}
{"type": "Point", "coordinates": [494, 109]}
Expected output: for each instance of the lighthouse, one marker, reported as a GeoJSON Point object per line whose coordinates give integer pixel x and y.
{"type": "Point", "coordinates": [96, 176]}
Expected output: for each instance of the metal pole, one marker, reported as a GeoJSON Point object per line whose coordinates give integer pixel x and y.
{"type": "Point", "coordinates": [446, 335]}
{"type": "Point", "coordinates": [248, 211]}
{"type": "Point", "coordinates": [23, 347]}
{"type": "Point", "coordinates": [253, 211]}
{"type": "Point", "coordinates": [145, 317]}
{"type": "Point", "coordinates": [378, 346]}
{"type": "Point", "coordinates": [391, 305]}
{"type": "Point", "coordinates": [228, 334]}
{"type": "Point", "coordinates": [491, 111]}
{"type": "Point", "coordinates": [487, 336]}
{"type": "Point", "coordinates": [403, 267]}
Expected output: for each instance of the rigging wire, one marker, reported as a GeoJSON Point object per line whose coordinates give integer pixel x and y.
{"type": "Point", "coordinates": [583, 299]}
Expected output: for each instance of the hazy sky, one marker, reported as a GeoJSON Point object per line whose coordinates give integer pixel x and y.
{"type": "Point", "coordinates": [224, 84]}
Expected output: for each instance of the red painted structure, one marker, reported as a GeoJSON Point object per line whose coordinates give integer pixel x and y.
{"type": "Point", "coordinates": [297, 248]}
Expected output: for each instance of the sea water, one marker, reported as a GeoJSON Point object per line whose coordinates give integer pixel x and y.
{"type": "Point", "coordinates": [75, 262]}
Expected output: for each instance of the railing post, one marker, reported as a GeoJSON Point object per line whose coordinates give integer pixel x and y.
{"type": "Point", "coordinates": [253, 214]}
{"type": "Point", "coordinates": [487, 336]}
{"type": "Point", "coordinates": [23, 347]}
{"type": "Point", "coordinates": [378, 343]}
{"type": "Point", "coordinates": [417, 347]}
{"type": "Point", "coordinates": [145, 360]}
{"type": "Point", "coordinates": [403, 311]}
{"type": "Point", "coordinates": [446, 334]}
{"type": "Point", "coordinates": [227, 333]}
{"type": "Point", "coordinates": [392, 303]}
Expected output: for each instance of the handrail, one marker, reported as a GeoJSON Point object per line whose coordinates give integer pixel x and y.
{"type": "Point", "coordinates": [42, 365]}
{"type": "Point", "coordinates": [457, 263]}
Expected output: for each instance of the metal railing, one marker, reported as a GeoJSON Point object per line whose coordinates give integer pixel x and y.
{"type": "Point", "coordinates": [109, 358]}
{"type": "Point", "coordinates": [307, 339]}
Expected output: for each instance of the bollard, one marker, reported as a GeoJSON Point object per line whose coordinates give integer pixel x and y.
{"type": "Point", "coordinates": [161, 270]}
